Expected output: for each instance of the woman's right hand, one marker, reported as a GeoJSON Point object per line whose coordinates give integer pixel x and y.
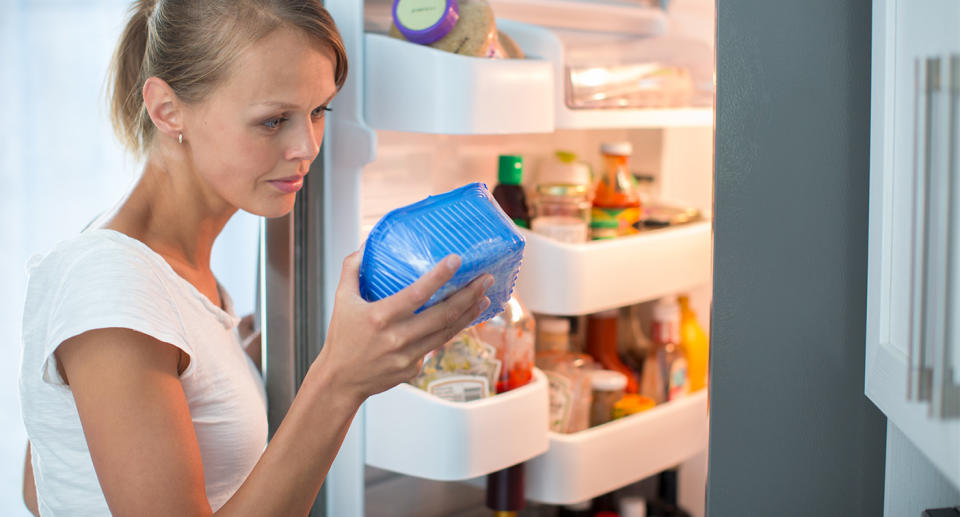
{"type": "Point", "coordinates": [373, 346]}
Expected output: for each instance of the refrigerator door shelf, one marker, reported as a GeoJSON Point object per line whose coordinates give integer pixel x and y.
{"type": "Point", "coordinates": [420, 89]}
{"type": "Point", "coordinates": [586, 15]}
{"type": "Point", "coordinates": [414, 433]}
{"type": "Point", "coordinates": [575, 279]}
{"type": "Point", "coordinates": [583, 465]}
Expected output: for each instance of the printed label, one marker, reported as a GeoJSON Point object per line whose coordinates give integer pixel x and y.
{"type": "Point", "coordinates": [624, 217]}
{"type": "Point", "coordinates": [678, 382]}
{"type": "Point", "coordinates": [459, 388]}
{"type": "Point", "coordinates": [420, 14]}
{"type": "Point", "coordinates": [561, 399]}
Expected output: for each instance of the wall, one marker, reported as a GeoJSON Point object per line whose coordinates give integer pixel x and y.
{"type": "Point", "coordinates": [60, 166]}
{"type": "Point", "coordinates": [791, 431]}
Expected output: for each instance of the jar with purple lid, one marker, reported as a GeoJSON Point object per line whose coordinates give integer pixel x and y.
{"type": "Point", "coordinates": [465, 27]}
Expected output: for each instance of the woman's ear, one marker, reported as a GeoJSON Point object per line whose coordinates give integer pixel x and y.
{"type": "Point", "coordinates": [163, 107]}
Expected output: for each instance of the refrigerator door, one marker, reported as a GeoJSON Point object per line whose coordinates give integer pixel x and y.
{"type": "Point", "coordinates": [291, 301]}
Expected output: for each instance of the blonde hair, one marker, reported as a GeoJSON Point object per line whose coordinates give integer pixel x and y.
{"type": "Point", "coordinates": [191, 44]}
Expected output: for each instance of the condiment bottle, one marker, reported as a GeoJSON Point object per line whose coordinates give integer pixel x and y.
{"type": "Point", "coordinates": [632, 404]}
{"type": "Point", "coordinates": [695, 343]}
{"type": "Point", "coordinates": [509, 192]}
{"type": "Point", "coordinates": [602, 345]}
{"type": "Point", "coordinates": [567, 375]}
{"type": "Point", "coordinates": [607, 388]}
{"type": "Point", "coordinates": [563, 168]}
{"type": "Point", "coordinates": [568, 380]}
{"type": "Point", "coordinates": [632, 343]}
{"type": "Point", "coordinates": [511, 333]}
{"type": "Point", "coordinates": [616, 202]}
{"type": "Point", "coordinates": [553, 334]}
{"type": "Point", "coordinates": [666, 337]}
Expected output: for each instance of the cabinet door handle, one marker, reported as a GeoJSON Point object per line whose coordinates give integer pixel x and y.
{"type": "Point", "coordinates": [936, 234]}
{"type": "Point", "coordinates": [945, 401]}
{"type": "Point", "coordinates": [918, 255]}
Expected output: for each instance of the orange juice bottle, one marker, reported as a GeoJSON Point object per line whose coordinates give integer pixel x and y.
{"type": "Point", "coordinates": [616, 201]}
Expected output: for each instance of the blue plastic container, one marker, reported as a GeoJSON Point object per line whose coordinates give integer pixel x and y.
{"type": "Point", "coordinates": [409, 241]}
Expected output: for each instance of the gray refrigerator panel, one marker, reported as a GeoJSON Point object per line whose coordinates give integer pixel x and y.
{"type": "Point", "coordinates": [791, 432]}
{"type": "Point", "coordinates": [291, 261]}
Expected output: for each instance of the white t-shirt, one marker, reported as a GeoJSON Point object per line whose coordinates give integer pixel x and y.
{"type": "Point", "coordinates": [104, 279]}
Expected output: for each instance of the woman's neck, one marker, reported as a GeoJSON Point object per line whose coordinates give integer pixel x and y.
{"type": "Point", "coordinates": [172, 210]}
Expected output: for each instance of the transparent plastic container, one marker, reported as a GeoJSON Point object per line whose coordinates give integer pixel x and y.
{"type": "Point", "coordinates": [562, 212]}
{"type": "Point", "coordinates": [667, 71]}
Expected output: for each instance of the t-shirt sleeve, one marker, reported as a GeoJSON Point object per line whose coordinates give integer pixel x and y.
{"type": "Point", "coordinates": [108, 287]}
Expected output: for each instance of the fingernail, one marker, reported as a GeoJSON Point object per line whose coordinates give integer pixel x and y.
{"type": "Point", "coordinates": [484, 303]}
{"type": "Point", "coordinates": [452, 262]}
{"type": "Point", "coordinates": [487, 282]}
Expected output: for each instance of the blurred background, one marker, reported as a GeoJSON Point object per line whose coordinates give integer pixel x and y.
{"type": "Point", "coordinates": [61, 166]}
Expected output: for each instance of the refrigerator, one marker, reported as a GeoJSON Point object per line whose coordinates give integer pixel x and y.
{"type": "Point", "coordinates": [412, 121]}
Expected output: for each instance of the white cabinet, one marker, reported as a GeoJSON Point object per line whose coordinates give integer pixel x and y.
{"type": "Point", "coordinates": [913, 311]}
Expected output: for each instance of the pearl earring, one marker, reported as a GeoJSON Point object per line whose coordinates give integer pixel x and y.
{"type": "Point", "coordinates": [180, 138]}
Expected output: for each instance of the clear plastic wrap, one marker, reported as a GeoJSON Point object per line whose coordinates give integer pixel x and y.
{"type": "Point", "coordinates": [409, 241]}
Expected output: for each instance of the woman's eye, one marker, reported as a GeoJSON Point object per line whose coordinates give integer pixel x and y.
{"type": "Point", "coordinates": [274, 123]}
{"type": "Point", "coordinates": [319, 111]}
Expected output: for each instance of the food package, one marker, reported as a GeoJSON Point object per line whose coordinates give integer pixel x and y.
{"type": "Point", "coordinates": [462, 370]}
{"type": "Point", "coordinates": [408, 242]}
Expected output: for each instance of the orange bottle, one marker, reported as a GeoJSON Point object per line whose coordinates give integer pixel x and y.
{"type": "Point", "coordinates": [616, 201]}
{"type": "Point", "coordinates": [602, 345]}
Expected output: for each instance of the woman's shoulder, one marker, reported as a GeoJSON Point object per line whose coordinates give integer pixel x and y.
{"type": "Point", "coordinates": [97, 268]}
{"type": "Point", "coordinates": [98, 279]}
{"type": "Point", "coordinates": [94, 252]}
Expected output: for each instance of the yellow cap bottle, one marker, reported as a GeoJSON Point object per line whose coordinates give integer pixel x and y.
{"type": "Point", "coordinates": [695, 344]}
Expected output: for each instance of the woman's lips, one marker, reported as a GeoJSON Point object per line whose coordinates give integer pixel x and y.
{"type": "Point", "coordinates": [288, 185]}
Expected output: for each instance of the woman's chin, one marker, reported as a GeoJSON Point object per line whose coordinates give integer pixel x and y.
{"type": "Point", "coordinates": [274, 208]}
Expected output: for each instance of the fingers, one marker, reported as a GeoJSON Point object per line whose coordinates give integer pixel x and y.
{"type": "Point", "coordinates": [350, 274]}
{"type": "Point", "coordinates": [452, 315]}
{"type": "Point", "coordinates": [437, 339]}
{"type": "Point", "coordinates": [416, 294]}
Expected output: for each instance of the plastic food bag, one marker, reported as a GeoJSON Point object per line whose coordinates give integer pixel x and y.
{"type": "Point", "coordinates": [463, 369]}
{"type": "Point", "coordinates": [408, 242]}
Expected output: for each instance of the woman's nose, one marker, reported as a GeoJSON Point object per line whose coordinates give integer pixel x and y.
{"type": "Point", "coordinates": [305, 145]}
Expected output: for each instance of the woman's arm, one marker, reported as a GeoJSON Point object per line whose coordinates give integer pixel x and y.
{"type": "Point", "coordinates": [29, 488]}
{"type": "Point", "coordinates": [137, 423]}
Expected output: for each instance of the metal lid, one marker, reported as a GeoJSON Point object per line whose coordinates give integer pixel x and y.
{"type": "Point", "coordinates": [554, 325]}
{"type": "Point", "coordinates": [617, 148]}
{"type": "Point", "coordinates": [425, 21]}
{"type": "Point", "coordinates": [607, 380]}
{"type": "Point", "coordinates": [562, 190]}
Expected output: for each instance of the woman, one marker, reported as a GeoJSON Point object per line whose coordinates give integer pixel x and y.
{"type": "Point", "coordinates": [136, 394]}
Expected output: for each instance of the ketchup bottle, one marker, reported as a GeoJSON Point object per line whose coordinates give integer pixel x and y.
{"type": "Point", "coordinates": [602, 345]}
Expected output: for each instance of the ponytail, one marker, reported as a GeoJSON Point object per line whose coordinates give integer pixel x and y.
{"type": "Point", "coordinates": [127, 76]}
